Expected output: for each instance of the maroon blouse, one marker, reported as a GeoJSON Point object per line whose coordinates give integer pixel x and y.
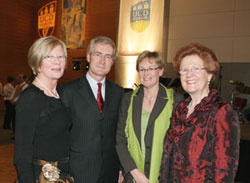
{"type": "Point", "coordinates": [205, 146]}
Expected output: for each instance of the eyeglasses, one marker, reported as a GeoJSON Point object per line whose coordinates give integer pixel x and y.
{"type": "Point", "coordinates": [193, 70]}
{"type": "Point", "coordinates": [99, 55]}
{"type": "Point", "coordinates": [149, 70]}
{"type": "Point", "coordinates": [51, 58]}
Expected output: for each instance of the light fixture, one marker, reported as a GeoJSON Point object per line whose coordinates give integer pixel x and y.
{"type": "Point", "coordinates": [77, 61]}
{"type": "Point", "coordinates": [76, 65]}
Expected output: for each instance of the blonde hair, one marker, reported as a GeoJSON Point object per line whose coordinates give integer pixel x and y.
{"type": "Point", "coordinates": [154, 57]}
{"type": "Point", "coordinates": [42, 48]}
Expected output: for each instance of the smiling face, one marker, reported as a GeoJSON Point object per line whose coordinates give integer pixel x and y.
{"type": "Point", "coordinates": [53, 69]}
{"type": "Point", "coordinates": [149, 73]}
{"type": "Point", "coordinates": [100, 61]}
{"type": "Point", "coordinates": [195, 80]}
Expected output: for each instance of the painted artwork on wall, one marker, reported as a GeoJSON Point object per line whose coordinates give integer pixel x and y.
{"type": "Point", "coordinates": [73, 23]}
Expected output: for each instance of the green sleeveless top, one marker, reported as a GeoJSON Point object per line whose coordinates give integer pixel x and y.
{"type": "Point", "coordinates": [144, 123]}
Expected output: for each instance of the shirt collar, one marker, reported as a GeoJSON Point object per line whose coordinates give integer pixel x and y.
{"type": "Point", "coordinates": [93, 81]}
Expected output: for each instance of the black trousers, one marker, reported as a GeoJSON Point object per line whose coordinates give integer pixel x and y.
{"type": "Point", "coordinates": [9, 116]}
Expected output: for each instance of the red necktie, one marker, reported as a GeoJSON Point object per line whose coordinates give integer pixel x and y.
{"type": "Point", "coordinates": [99, 97]}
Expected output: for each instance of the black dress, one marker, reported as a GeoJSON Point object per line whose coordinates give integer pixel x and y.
{"type": "Point", "coordinates": [42, 133]}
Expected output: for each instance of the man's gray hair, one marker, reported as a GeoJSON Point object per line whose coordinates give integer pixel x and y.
{"type": "Point", "coordinates": [104, 40]}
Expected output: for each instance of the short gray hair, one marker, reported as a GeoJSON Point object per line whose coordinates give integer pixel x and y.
{"type": "Point", "coordinates": [104, 40]}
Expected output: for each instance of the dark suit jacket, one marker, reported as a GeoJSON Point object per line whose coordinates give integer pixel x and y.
{"type": "Point", "coordinates": [93, 158]}
{"type": "Point", "coordinates": [121, 146]}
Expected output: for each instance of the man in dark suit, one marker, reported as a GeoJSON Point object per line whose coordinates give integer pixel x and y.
{"type": "Point", "coordinates": [94, 113]}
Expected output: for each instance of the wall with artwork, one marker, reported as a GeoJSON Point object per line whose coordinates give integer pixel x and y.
{"type": "Point", "coordinates": [220, 25]}
{"type": "Point", "coordinates": [19, 28]}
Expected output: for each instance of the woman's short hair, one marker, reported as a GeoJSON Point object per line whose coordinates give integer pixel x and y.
{"type": "Point", "coordinates": [42, 48]}
{"type": "Point", "coordinates": [153, 56]}
{"type": "Point", "coordinates": [209, 58]}
{"type": "Point", "coordinates": [104, 40]}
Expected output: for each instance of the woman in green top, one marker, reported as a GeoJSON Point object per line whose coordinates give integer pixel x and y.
{"type": "Point", "coordinates": [144, 120]}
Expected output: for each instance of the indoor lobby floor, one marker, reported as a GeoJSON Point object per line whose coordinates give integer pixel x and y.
{"type": "Point", "coordinates": [7, 169]}
{"type": "Point", "coordinates": [8, 172]}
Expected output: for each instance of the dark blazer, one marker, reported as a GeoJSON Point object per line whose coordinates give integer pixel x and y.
{"type": "Point", "coordinates": [121, 146]}
{"type": "Point", "coordinates": [93, 158]}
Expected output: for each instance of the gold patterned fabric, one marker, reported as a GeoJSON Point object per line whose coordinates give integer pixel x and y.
{"type": "Point", "coordinates": [50, 173]}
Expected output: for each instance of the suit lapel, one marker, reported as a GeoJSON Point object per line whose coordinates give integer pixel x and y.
{"type": "Point", "coordinates": [86, 92]}
{"type": "Point", "coordinates": [158, 107]}
{"type": "Point", "coordinates": [108, 95]}
{"type": "Point", "coordinates": [137, 112]}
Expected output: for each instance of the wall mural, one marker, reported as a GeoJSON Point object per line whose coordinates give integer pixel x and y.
{"type": "Point", "coordinates": [73, 23]}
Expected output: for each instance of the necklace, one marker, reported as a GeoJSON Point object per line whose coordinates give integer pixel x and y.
{"type": "Point", "coordinates": [48, 90]}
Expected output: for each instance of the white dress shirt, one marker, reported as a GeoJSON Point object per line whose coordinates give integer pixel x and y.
{"type": "Point", "coordinates": [94, 86]}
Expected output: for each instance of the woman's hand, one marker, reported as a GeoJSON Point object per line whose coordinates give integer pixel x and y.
{"type": "Point", "coordinates": [139, 176]}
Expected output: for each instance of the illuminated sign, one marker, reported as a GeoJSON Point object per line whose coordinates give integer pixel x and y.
{"type": "Point", "coordinates": [140, 16]}
{"type": "Point", "coordinates": [46, 19]}
{"type": "Point", "coordinates": [142, 26]}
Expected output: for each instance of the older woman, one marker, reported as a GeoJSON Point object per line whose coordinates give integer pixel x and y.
{"type": "Point", "coordinates": [144, 120]}
{"type": "Point", "coordinates": [42, 121]}
{"type": "Point", "coordinates": [202, 143]}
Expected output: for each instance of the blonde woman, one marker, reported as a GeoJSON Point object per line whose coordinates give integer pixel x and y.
{"type": "Point", "coordinates": [42, 121]}
{"type": "Point", "coordinates": [143, 121]}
